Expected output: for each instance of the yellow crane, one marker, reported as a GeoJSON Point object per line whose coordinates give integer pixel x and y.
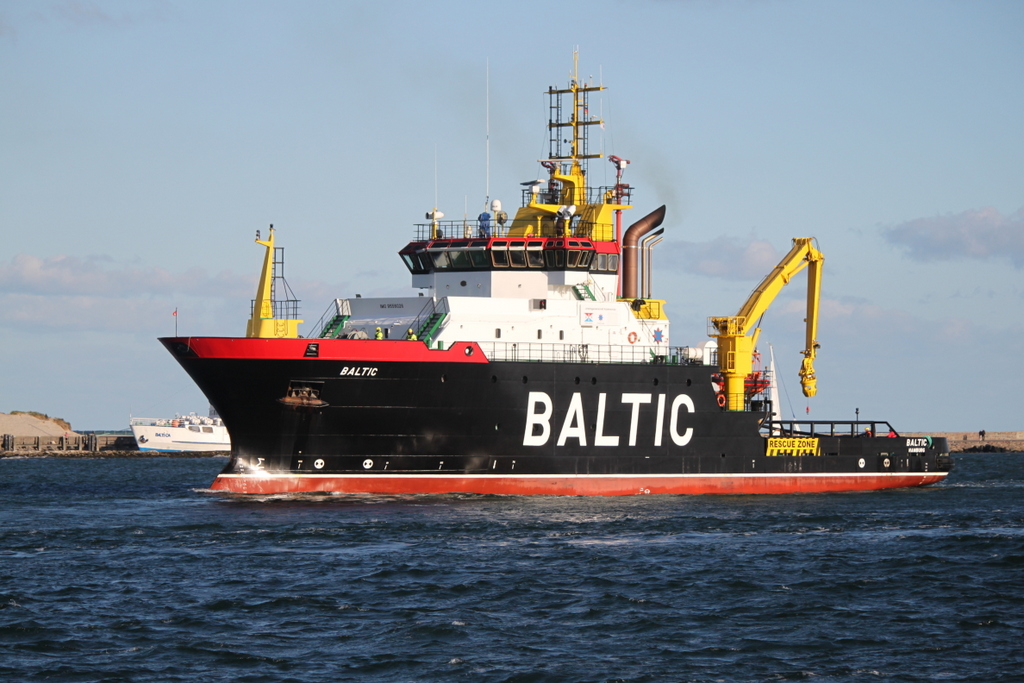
{"type": "Point", "coordinates": [737, 335]}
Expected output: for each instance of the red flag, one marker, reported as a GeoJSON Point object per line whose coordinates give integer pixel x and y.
{"type": "Point", "coordinates": [175, 314]}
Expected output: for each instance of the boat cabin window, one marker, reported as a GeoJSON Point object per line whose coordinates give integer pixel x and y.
{"type": "Point", "coordinates": [440, 260]}
{"type": "Point", "coordinates": [499, 257]}
{"type": "Point", "coordinates": [459, 259]}
{"type": "Point", "coordinates": [516, 253]}
{"type": "Point", "coordinates": [572, 258]}
{"type": "Point", "coordinates": [207, 430]}
{"type": "Point", "coordinates": [517, 257]}
{"type": "Point", "coordinates": [534, 254]}
{"type": "Point", "coordinates": [478, 258]}
{"type": "Point", "coordinates": [555, 258]}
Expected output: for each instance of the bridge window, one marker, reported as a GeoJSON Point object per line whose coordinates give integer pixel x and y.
{"type": "Point", "coordinates": [478, 258]}
{"type": "Point", "coordinates": [440, 260]}
{"type": "Point", "coordinates": [459, 259]}
{"type": "Point", "coordinates": [516, 255]}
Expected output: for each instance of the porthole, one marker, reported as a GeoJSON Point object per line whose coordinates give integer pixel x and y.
{"type": "Point", "coordinates": [577, 380]}
{"type": "Point", "coordinates": [689, 382]}
{"type": "Point", "coordinates": [655, 381]}
{"type": "Point", "coordinates": [524, 379]}
{"type": "Point", "coordinates": [444, 378]}
{"type": "Point", "coordinates": [494, 379]}
{"type": "Point", "coordinates": [469, 350]}
{"type": "Point", "coordinates": [593, 380]}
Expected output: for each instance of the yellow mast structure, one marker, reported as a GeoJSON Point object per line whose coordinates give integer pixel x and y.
{"type": "Point", "coordinates": [263, 324]}
{"type": "Point", "coordinates": [737, 335]}
{"type": "Point", "coordinates": [593, 216]}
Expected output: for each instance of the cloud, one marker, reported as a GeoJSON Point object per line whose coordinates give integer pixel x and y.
{"type": "Point", "coordinates": [724, 257]}
{"type": "Point", "coordinates": [64, 293]}
{"type": "Point", "coordinates": [72, 275]}
{"type": "Point", "coordinates": [855, 321]}
{"type": "Point", "coordinates": [980, 234]}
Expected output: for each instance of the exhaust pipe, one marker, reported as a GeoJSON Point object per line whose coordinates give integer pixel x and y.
{"type": "Point", "coordinates": [630, 250]}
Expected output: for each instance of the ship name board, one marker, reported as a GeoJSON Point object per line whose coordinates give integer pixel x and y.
{"type": "Point", "coordinates": [791, 446]}
{"type": "Point", "coordinates": [540, 411]}
{"type": "Point", "coordinates": [353, 371]}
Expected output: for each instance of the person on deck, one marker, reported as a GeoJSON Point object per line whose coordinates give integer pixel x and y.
{"type": "Point", "coordinates": [378, 334]}
{"type": "Point", "coordinates": [410, 335]}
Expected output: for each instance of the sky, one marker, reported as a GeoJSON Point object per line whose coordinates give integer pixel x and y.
{"type": "Point", "coordinates": [143, 143]}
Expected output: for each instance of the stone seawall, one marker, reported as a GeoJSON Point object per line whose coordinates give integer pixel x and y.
{"type": "Point", "coordinates": [972, 441]}
{"type": "Point", "coordinates": [82, 455]}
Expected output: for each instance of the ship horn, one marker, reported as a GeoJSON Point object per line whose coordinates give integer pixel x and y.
{"type": "Point", "coordinates": [631, 249]}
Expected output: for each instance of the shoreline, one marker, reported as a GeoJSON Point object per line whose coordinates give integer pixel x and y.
{"type": "Point", "coordinates": [85, 455]}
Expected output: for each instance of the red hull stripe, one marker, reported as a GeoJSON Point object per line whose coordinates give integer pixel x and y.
{"type": "Point", "coordinates": [366, 350]}
{"type": "Point", "coordinates": [584, 485]}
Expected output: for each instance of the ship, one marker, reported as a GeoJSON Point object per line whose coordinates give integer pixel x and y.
{"type": "Point", "coordinates": [180, 434]}
{"type": "Point", "coordinates": [534, 359]}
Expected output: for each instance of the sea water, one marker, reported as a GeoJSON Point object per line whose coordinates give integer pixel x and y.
{"type": "Point", "coordinates": [130, 570]}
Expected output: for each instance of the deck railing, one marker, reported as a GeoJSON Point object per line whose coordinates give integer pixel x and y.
{"type": "Point", "coordinates": [634, 354]}
{"type": "Point", "coordinates": [812, 428]}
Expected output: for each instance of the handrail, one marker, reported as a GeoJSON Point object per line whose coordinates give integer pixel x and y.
{"type": "Point", "coordinates": [599, 354]}
{"type": "Point", "coordinates": [846, 428]}
{"type": "Point", "coordinates": [432, 307]}
{"type": "Point", "coordinates": [334, 309]}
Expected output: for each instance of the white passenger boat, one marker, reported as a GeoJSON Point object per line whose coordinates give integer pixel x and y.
{"type": "Point", "coordinates": [182, 433]}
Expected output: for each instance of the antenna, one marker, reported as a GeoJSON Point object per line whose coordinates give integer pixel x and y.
{"type": "Point", "coordinates": [487, 123]}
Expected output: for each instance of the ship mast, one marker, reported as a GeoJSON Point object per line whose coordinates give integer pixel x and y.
{"type": "Point", "coordinates": [572, 163]}
{"type": "Point", "coordinates": [566, 206]}
{"type": "Point", "coordinates": [264, 323]}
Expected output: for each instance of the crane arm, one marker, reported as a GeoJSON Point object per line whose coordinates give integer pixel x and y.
{"type": "Point", "coordinates": [737, 335]}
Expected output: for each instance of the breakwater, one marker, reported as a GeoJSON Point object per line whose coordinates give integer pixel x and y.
{"type": "Point", "coordinates": [961, 442]}
{"type": "Point", "coordinates": [84, 446]}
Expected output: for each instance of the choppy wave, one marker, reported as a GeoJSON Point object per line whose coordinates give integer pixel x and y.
{"type": "Point", "coordinates": [129, 570]}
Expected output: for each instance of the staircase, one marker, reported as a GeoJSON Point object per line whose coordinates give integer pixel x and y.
{"type": "Point", "coordinates": [429, 328]}
{"type": "Point", "coordinates": [333, 327]}
{"type": "Point", "coordinates": [583, 293]}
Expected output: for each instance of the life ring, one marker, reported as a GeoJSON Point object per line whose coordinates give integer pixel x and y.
{"type": "Point", "coordinates": [633, 337]}
{"type": "Point", "coordinates": [721, 400]}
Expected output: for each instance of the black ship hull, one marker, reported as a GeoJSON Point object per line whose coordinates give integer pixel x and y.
{"type": "Point", "coordinates": [397, 417]}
